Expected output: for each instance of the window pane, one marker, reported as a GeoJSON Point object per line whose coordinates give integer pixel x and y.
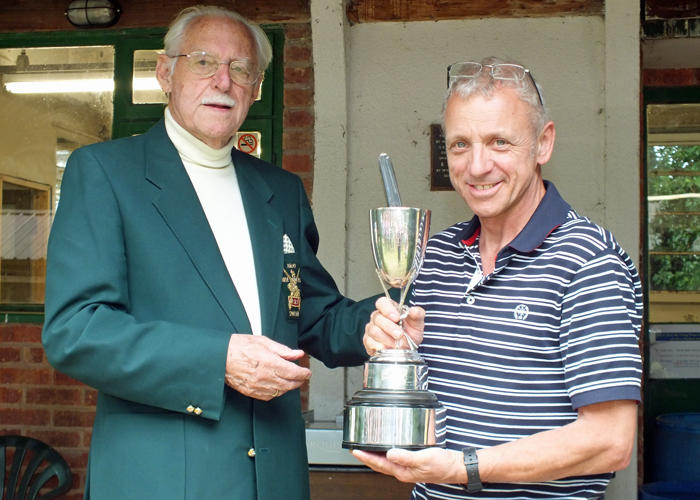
{"type": "Point", "coordinates": [145, 86]}
{"type": "Point", "coordinates": [53, 101]}
{"type": "Point", "coordinates": [673, 195]}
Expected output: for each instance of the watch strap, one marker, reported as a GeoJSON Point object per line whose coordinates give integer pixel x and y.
{"type": "Point", "coordinates": [471, 462]}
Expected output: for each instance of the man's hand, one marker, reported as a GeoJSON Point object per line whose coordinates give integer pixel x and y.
{"type": "Point", "coordinates": [383, 330]}
{"type": "Point", "coordinates": [261, 368]}
{"type": "Point", "coordinates": [432, 465]}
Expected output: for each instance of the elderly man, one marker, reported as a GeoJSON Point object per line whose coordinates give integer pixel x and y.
{"type": "Point", "coordinates": [183, 283]}
{"type": "Point", "coordinates": [530, 315]}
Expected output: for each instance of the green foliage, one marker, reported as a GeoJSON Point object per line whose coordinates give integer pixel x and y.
{"type": "Point", "coordinates": [674, 225]}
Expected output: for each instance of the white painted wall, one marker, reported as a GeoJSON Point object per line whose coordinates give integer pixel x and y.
{"type": "Point", "coordinates": [395, 80]}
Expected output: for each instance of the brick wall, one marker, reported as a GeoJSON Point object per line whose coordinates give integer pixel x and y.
{"type": "Point", "coordinates": [38, 401]}
{"type": "Point", "coordinates": [298, 123]}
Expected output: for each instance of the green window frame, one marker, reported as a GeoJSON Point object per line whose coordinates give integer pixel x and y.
{"type": "Point", "coordinates": [264, 116]}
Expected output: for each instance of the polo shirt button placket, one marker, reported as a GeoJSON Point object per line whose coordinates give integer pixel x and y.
{"type": "Point", "coordinates": [470, 299]}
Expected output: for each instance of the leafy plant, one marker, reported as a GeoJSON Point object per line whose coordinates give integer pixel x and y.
{"type": "Point", "coordinates": [673, 187]}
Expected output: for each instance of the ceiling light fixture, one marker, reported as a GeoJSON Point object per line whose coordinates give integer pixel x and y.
{"type": "Point", "coordinates": [93, 13]}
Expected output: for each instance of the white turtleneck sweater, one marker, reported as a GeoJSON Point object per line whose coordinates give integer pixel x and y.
{"type": "Point", "coordinates": [214, 179]}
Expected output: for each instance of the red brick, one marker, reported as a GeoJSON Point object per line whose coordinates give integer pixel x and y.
{"type": "Point", "coordinates": [297, 140]}
{"type": "Point", "coordinates": [20, 333]}
{"type": "Point", "coordinates": [298, 119]}
{"type": "Point", "coordinates": [75, 459]}
{"type": "Point", "coordinates": [36, 355]}
{"type": "Point", "coordinates": [297, 163]}
{"type": "Point", "coordinates": [73, 418]}
{"type": "Point", "coordinates": [29, 376]}
{"type": "Point", "coordinates": [296, 31]}
{"type": "Point", "coordinates": [73, 496]}
{"type": "Point", "coordinates": [87, 439]}
{"type": "Point", "coordinates": [10, 354]}
{"type": "Point", "coordinates": [308, 186]}
{"type": "Point", "coordinates": [297, 53]}
{"type": "Point", "coordinates": [11, 416]}
{"type": "Point", "coordinates": [53, 396]}
{"type": "Point", "coordinates": [63, 379]}
{"type": "Point", "coordinates": [10, 396]}
{"type": "Point", "coordinates": [90, 397]}
{"type": "Point", "coordinates": [297, 75]}
{"type": "Point", "coordinates": [9, 431]}
{"type": "Point", "coordinates": [55, 439]}
{"type": "Point", "coordinates": [295, 98]}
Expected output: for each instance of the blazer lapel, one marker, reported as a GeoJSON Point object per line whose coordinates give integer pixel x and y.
{"type": "Point", "coordinates": [266, 231]}
{"type": "Point", "coordinates": [179, 206]}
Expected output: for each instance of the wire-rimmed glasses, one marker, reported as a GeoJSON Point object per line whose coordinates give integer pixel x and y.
{"type": "Point", "coordinates": [241, 71]}
{"type": "Point", "coordinates": [502, 71]}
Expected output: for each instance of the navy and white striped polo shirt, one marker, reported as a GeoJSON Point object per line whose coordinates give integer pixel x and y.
{"type": "Point", "coordinates": [555, 327]}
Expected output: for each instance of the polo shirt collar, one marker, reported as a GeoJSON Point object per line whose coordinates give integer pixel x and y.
{"type": "Point", "coordinates": [550, 213]}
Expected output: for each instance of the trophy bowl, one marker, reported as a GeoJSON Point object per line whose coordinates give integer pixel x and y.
{"type": "Point", "coordinates": [399, 236]}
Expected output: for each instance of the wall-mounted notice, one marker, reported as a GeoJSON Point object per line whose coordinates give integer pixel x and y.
{"type": "Point", "coordinates": [439, 173]}
{"type": "Point", "coordinates": [674, 351]}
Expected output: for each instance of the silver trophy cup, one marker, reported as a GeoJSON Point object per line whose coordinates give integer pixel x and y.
{"type": "Point", "coordinates": [394, 409]}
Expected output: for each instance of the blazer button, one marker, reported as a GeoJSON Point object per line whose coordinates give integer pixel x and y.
{"type": "Point", "coordinates": [198, 411]}
{"type": "Point", "coordinates": [190, 409]}
{"type": "Point", "coordinates": [251, 453]}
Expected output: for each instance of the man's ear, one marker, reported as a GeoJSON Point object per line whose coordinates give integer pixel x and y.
{"type": "Point", "coordinates": [545, 143]}
{"type": "Point", "coordinates": [256, 89]}
{"type": "Point", "coordinates": [164, 73]}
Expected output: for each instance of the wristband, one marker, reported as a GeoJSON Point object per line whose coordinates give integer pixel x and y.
{"type": "Point", "coordinates": [471, 462]}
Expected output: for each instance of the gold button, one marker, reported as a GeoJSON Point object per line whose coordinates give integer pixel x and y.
{"type": "Point", "coordinates": [190, 408]}
{"type": "Point", "coordinates": [197, 411]}
{"type": "Point", "coordinates": [251, 453]}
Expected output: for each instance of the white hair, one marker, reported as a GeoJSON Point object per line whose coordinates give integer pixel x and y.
{"type": "Point", "coordinates": [176, 33]}
{"type": "Point", "coordinates": [486, 85]}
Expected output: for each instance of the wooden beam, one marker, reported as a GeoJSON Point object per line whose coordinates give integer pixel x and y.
{"type": "Point", "coordinates": [48, 15]}
{"type": "Point", "coordinates": [363, 11]}
{"type": "Point", "coordinates": [671, 9]}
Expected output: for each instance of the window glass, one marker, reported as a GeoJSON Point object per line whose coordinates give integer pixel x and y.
{"type": "Point", "coordinates": [673, 190]}
{"type": "Point", "coordinates": [145, 86]}
{"type": "Point", "coordinates": [53, 101]}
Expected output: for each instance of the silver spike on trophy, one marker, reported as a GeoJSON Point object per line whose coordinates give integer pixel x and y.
{"type": "Point", "coordinates": [394, 409]}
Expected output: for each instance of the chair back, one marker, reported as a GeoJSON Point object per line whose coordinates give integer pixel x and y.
{"type": "Point", "coordinates": [29, 472]}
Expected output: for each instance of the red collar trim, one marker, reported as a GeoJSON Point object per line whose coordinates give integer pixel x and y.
{"type": "Point", "coordinates": [472, 239]}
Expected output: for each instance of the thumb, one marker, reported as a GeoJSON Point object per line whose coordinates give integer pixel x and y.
{"type": "Point", "coordinates": [400, 457]}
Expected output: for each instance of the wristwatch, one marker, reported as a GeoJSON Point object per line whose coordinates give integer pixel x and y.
{"type": "Point", "coordinates": [471, 462]}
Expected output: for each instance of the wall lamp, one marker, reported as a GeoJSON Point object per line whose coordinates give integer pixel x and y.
{"type": "Point", "coordinates": [93, 13]}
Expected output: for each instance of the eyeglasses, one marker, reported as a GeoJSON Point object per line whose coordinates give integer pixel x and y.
{"type": "Point", "coordinates": [241, 71]}
{"type": "Point", "coordinates": [513, 72]}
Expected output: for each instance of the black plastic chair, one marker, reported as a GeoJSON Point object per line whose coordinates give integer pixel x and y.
{"type": "Point", "coordinates": [25, 481]}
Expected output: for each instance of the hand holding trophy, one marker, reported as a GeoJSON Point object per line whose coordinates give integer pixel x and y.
{"type": "Point", "coordinates": [394, 408]}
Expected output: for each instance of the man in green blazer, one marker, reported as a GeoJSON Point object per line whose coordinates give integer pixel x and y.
{"type": "Point", "coordinates": [183, 285]}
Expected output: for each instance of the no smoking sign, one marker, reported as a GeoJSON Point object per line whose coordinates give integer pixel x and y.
{"type": "Point", "coordinates": [249, 142]}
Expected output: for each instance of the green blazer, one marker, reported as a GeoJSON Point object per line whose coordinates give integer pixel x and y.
{"type": "Point", "coordinates": [140, 306]}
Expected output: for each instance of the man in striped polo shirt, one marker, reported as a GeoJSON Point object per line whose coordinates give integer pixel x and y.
{"type": "Point", "coordinates": [529, 315]}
